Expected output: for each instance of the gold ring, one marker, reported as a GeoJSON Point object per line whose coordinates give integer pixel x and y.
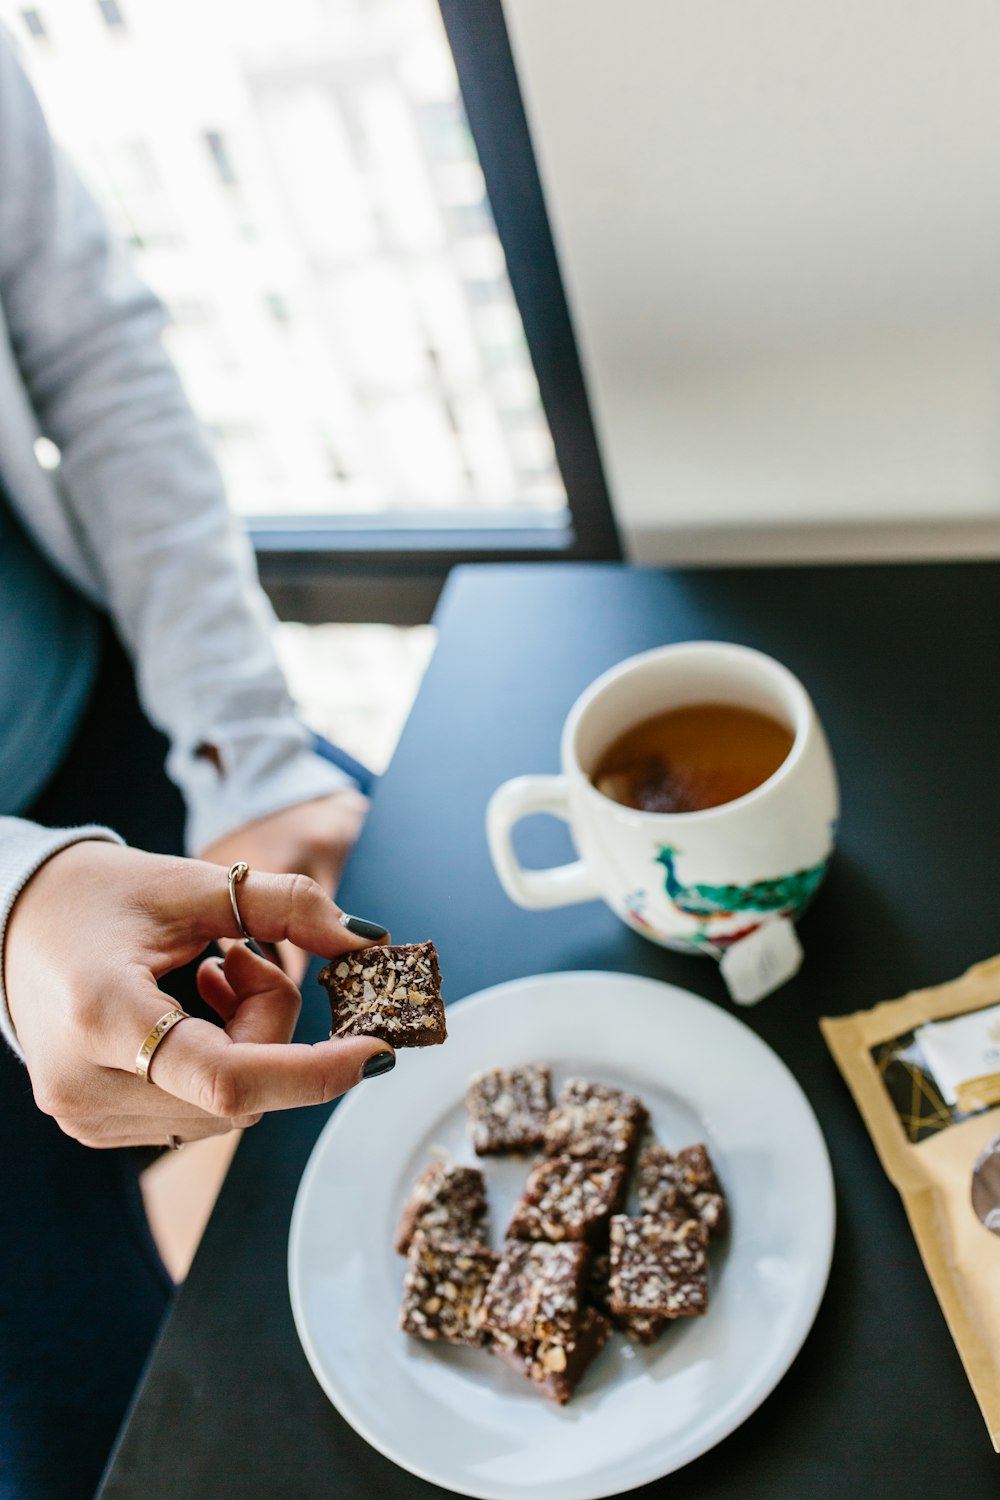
{"type": "Point", "coordinates": [238, 872]}
{"type": "Point", "coordinates": [175, 1143]}
{"type": "Point", "coordinates": [144, 1056]}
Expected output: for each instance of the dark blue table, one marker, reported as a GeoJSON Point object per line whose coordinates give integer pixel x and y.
{"type": "Point", "coordinates": [901, 664]}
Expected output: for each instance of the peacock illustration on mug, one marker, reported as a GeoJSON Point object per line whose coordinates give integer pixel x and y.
{"type": "Point", "coordinates": [782, 895]}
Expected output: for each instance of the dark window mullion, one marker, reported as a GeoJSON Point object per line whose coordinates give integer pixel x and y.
{"type": "Point", "coordinates": [495, 110]}
{"type": "Point", "coordinates": [390, 567]}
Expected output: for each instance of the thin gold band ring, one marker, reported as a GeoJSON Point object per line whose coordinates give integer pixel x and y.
{"type": "Point", "coordinates": [144, 1056]}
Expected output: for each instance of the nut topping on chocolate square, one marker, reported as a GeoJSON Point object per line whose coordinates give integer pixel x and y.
{"type": "Point", "coordinates": [557, 1366]}
{"type": "Point", "coordinates": [446, 1200]}
{"type": "Point", "coordinates": [640, 1327]}
{"type": "Point", "coordinates": [508, 1108]}
{"type": "Point", "coordinates": [566, 1199]}
{"type": "Point", "coordinates": [682, 1184]}
{"type": "Point", "coordinates": [390, 992]}
{"type": "Point", "coordinates": [574, 1266]}
{"type": "Point", "coordinates": [537, 1291]}
{"type": "Point", "coordinates": [592, 1121]}
{"type": "Point", "coordinates": [658, 1266]}
{"type": "Point", "coordinates": [443, 1289]}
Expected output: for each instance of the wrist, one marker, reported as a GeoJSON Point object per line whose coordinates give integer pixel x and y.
{"type": "Point", "coordinates": [26, 849]}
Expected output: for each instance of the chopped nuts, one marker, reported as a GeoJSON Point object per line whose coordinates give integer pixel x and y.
{"type": "Point", "coordinates": [658, 1266]}
{"type": "Point", "coordinates": [682, 1184]}
{"type": "Point", "coordinates": [592, 1121]}
{"type": "Point", "coordinates": [369, 997]}
{"type": "Point", "coordinates": [440, 1301]}
{"type": "Point", "coordinates": [567, 1200]}
{"type": "Point", "coordinates": [508, 1108]}
{"type": "Point", "coordinates": [446, 1201]}
{"type": "Point", "coordinates": [547, 1304]}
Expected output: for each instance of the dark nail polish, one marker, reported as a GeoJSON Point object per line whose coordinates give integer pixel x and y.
{"type": "Point", "coordinates": [370, 930]}
{"type": "Point", "coordinates": [255, 948]}
{"type": "Point", "coordinates": [379, 1062]}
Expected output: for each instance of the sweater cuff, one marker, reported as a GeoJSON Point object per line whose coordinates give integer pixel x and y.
{"type": "Point", "coordinates": [24, 848]}
{"type": "Point", "coordinates": [261, 770]}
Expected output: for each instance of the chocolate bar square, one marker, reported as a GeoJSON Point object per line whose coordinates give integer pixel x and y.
{"type": "Point", "coordinates": [557, 1367]}
{"type": "Point", "coordinates": [565, 1199]}
{"type": "Point", "coordinates": [682, 1184]}
{"type": "Point", "coordinates": [445, 1200]}
{"type": "Point", "coordinates": [508, 1108]}
{"type": "Point", "coordinates": [592, 1121]}
{"type": "Point", "coordinates": [537, 1291]}
{"type": "Point", "coordinates": [640, 1327]}
{"type": "Point", "coordinates": [659, 1267]}
{"type": "Point", "coordinates": [391, 993]}
{"type": "Point", "coordinates": [443, 1289]}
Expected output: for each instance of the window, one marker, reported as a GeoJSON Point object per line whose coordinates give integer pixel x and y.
{"type": "Point", "coordinates": [365, 375]}
{"type": "Point", "coordinates": [111, 13]}
{"type": "Point", "coordinates": [137, 199]}
{"type": "Point", "coordinates": [33, 23]}
{"type": "Point", "coordinates": [219, 153]}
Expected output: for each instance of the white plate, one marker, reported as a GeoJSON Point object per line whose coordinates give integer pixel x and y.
{"type": "Point", "coordinates": [459, 1417]}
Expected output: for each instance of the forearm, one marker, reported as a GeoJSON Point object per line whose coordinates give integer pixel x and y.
{"type": "Point", "coordinates": [24, 848]}
{"type": "Point", "coordinates": [174, 569]}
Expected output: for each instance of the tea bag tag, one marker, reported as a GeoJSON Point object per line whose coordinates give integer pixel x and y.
{"type": "Point", "coordinates": [762, 962]}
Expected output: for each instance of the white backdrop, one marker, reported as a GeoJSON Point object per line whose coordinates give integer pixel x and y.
{"type": "Point", "coordinates": [779, 226]}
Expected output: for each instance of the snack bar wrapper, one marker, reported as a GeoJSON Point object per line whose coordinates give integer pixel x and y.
{"type": "Point", "coordinates": [925, 1074]}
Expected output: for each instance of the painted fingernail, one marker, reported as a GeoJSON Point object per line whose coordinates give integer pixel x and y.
{"type": "Point", "coordinates": [370, 930]}
{"type": "Point", "coordinates": [255, 948]}
{"type": "Point", "coordinates": [379, 1062]}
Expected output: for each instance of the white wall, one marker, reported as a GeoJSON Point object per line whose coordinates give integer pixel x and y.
{"type": "Point", "coordinates": [779, 226]}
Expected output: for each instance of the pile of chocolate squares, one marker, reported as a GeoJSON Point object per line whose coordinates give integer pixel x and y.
{"type": "Point", "coordinates": [572, 1265]}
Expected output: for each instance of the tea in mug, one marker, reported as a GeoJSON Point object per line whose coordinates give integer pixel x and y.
{"type": "Point", "coordinates": [690, 758]}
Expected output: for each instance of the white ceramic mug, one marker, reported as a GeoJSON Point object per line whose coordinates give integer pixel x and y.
{"type": "Point", "coordinates": [697, 881]}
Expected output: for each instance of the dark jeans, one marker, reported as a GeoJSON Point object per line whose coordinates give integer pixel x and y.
{"type": "Point", "coordinates": [82, 1288]}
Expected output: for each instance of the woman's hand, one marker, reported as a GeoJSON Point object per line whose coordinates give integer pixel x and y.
{"type": "Point", "coordinates": [89, 936]}
{"type": "Point", "coordinates": [310, 838]}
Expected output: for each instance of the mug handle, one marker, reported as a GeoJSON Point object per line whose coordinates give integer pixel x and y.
{"type": "Point", "coordinates": [563, 885]}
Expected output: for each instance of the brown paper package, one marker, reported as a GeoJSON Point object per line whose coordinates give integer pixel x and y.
{"type": "Point", "coordinates": [934, 1175]}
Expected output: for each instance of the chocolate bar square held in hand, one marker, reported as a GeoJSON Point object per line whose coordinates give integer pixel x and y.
{"type": "Point", "coordinates": [658, 1266]}
{"type": "Point", "coordinates": [391, 993]}
{"type": "Point", "coordinates": [445, 1200]}
{"type": "Point", "coordinates": [565, 1199]}
{"type": "Point", "coordinates": [443, 1289]}
{"type": "Point", "coordinates": [593, 1122]}
{"type": "Point", "coordinates": [682, 1184]}
{"type": "Point", "coordinates": [508, 1108]}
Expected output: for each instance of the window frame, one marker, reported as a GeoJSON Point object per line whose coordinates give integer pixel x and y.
{"type": "Point", "coordinates": [391, 567]}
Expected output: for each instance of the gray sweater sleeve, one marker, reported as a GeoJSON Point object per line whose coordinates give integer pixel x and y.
{"type": "Point", "coordinates": [24, 848]}
{"type": "Point", "coordinates": [141, 491]}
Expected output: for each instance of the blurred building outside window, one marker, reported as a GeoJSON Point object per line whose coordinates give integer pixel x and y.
{"type": "Point", "coordinates": [299, 185]}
